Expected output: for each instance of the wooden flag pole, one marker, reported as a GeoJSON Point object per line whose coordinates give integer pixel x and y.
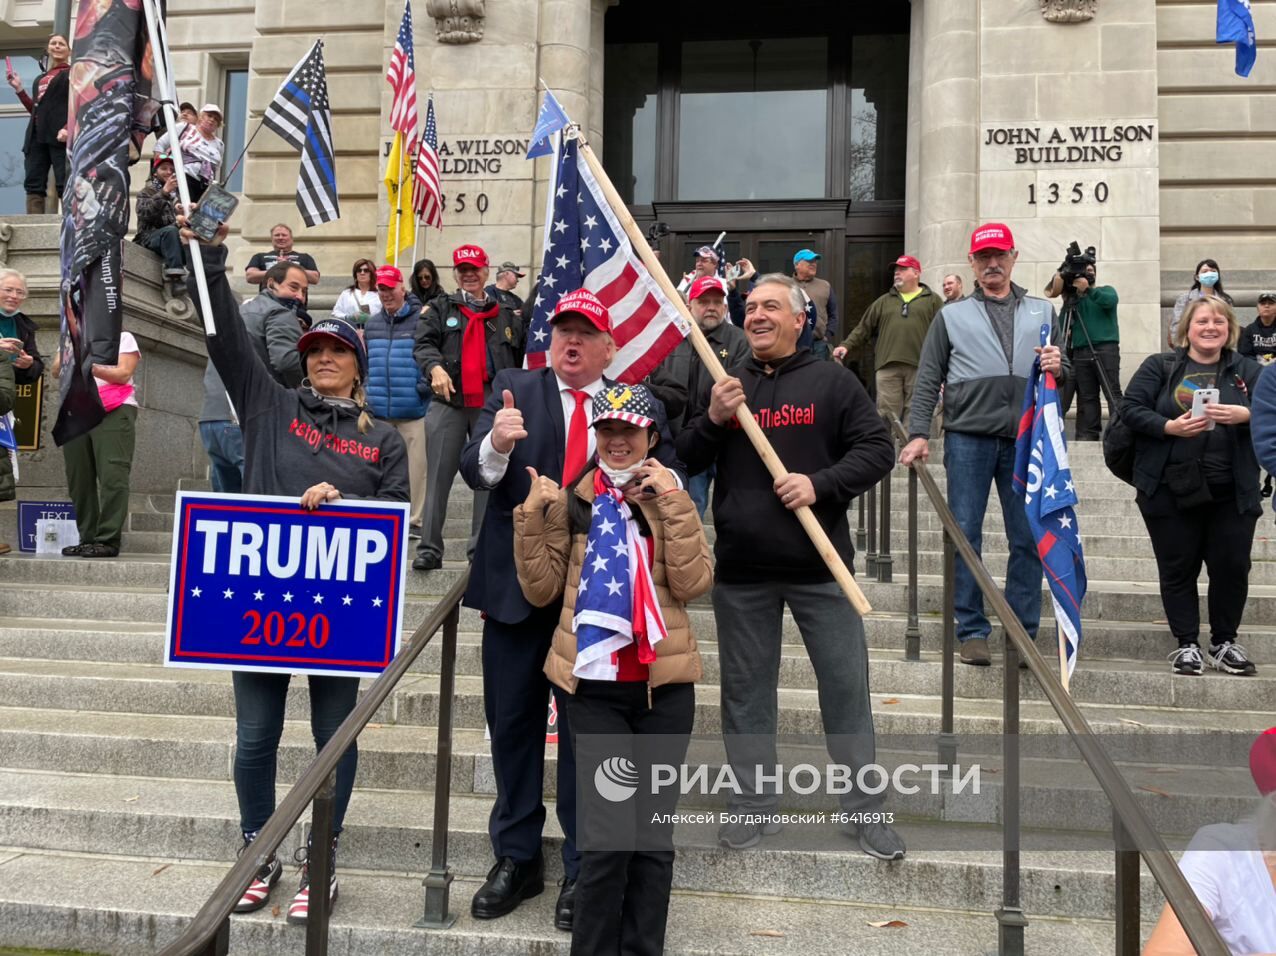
{"type": "Point", "coordinates": [747, 422]}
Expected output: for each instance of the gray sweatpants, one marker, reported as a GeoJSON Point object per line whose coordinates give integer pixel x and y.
{"type": "Point", "coordinates": [750, 619]}
{"type": "Point", "coordinates": [446, 431]}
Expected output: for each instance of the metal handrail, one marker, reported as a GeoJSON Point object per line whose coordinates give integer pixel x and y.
{"type": "Point", "coordinates": [208, 933]}
{"type": "Point", "coordinates": [1132, 831]}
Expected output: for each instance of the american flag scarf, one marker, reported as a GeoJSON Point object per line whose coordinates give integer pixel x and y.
{"type": "Point", "coordinates": [616, 600]}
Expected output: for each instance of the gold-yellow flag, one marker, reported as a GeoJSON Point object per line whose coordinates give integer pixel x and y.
{"type": "Point", "coordinates": [398, 189]}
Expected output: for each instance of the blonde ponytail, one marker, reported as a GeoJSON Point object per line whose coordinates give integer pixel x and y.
{"type": "Point", "coordinates": [365, 417]}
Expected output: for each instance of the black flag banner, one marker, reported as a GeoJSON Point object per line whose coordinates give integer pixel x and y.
{"type": "Point", "coordinates": [111, 109]}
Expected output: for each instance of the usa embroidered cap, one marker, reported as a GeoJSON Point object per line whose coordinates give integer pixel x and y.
{"type": "Point", "coordinates": [909, 262]}
{"type": "Point", "coordinates": [469, 256]}
{"type": "Point", "coordinates": [706, 284]}
{"type": "Point", "coordinates": [389, 275]}
{"type": "Point", "coordinates": [624, 403]}
{"type": "Point", "coordinates": [1262, 756]}
{"type": "Point", "coordinates": [584, 303]}
{"type": "Point", "coordinates": [992, 235]}
{"type": "Point", "coordinates": [343, 332]}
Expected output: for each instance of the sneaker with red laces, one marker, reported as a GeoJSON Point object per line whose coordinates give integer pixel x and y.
{"type": "Point", "coordinates": [258, 893]}
{"type": "Point", "coordinates": [299, 908]}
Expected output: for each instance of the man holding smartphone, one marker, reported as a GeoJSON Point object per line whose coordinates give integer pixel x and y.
{"type": "Point", "coordinates": [157, 216]}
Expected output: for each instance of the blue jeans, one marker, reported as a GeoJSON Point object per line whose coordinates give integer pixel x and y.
{"type": "Point", "coordinates": [259, 722]}
{"type": "Point", "coordinates": [698, 487]}
{"type": "Point", "coordinates": [974, 462]}
{"type": "Point", "coordinates": [224, 443]}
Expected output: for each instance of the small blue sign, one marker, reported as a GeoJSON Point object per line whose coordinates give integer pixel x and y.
{"type": "Point", "coordinates": [258, 583]}
{"type": "Point", "coordinates": [29, 512]}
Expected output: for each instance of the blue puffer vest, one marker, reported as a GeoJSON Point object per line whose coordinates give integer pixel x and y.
{"type": "Point", "coordinates": [395, 386]}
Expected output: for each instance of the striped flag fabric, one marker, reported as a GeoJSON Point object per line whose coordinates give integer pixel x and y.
{"type": "Point", "coordinates": [586, 247]}
{"type": "Point", "coordinates": [427, 191]}
{"type": "Point", "coordinates": [301, 116]}
{"type": "Point", "coordinates": [402, 78]}
{"type": "Point", "coordinates": [1044, 477]}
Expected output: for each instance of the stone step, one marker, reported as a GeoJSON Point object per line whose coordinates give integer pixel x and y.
{"type": "Point", "coordinates": [1057, 792]}
{"type": "Point", "coordinates": [950, 865]}
{"type": "Point", "coordinates": [152, 689]}
{"type": "Point", "coordinates": [126, 906]}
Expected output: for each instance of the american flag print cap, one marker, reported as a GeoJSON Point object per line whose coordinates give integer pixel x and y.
{"type": "Point", "coordinates": [625, 403]}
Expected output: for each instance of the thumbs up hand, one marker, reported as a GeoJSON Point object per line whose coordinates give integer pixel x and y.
{"type": "Point", "coordinates": [507, 426]}
{"type": "Point", "coordinates": [544, 490]}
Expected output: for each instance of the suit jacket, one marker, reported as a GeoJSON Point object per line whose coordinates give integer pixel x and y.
{"type": "Point", "coordinates": [493, 579]}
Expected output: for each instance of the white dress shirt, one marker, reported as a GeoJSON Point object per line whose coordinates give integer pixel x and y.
{"type": "Point", "coordinates": [492, 463]}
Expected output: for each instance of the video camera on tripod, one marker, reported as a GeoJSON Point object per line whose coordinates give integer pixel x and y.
{"type": "Point", "coordinates": [1074, 265]}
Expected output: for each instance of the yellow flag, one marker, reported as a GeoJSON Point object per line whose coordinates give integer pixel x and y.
{"type": "Point", "coordinates": [398, 189]}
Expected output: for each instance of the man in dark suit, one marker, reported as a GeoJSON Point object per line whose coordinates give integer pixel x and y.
{"type": "Point", "coordinates": [532, 419]}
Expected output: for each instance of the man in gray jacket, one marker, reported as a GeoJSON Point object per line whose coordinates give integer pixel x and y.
{"type": "Point", "coordinates": [275, 319]}
{"type": "Point", "coordinates": [980, 349]}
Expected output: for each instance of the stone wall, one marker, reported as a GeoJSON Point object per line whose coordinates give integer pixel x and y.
{"type": "Point", "coordinates": [169, 377]}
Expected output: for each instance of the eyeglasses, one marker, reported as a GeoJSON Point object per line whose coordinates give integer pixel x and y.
{"type": "Point", "coordinates": [903, 311]}
{"type": "Point", "coordinates": [364, 269]}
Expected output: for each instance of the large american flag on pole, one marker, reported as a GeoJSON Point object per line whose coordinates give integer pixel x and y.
{"type": "Point", "coordinates": [300, 114]}
{"type": "Point", "coordinates": [401, 76]}
{"type": "Point", "coordinates": [586, 247]}
{"type": "Point", "coordinates": [427, 194]}
{"type": "Point", "coordinates": [1044, 477]}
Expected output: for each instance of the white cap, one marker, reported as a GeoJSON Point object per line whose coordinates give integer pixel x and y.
{"type": "Point", "coordinates": [211, 108]}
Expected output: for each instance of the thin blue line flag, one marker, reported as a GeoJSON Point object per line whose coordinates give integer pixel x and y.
{"type": "Point", "coordinates": [1044, 477]}
{"type": "Point", "coordinates": [550, 121]}
{"type": "Point", "coordinates": [1236, 25]}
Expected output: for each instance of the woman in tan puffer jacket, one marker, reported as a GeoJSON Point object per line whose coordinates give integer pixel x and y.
{"type": "Point", "coordinates": [624, 685]}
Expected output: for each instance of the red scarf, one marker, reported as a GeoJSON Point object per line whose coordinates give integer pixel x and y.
{"type": "Point", "coordinates": [474, 373]}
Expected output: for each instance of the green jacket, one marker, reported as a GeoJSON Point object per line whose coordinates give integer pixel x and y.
{"type": "Point", "coordinates": [899, 333]}
{"type": "Point", "coordinates": [8, 396]}
{"type": "Point", "coordinates": [1098, 310]}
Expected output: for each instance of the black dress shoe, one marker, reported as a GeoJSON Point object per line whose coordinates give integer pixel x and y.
{"type": "Point", "coordinates": [427, 562]}
{"type": "Point", "coordinates": [508, 884]}
{"type": "Point", "coordinates": [565, 909]}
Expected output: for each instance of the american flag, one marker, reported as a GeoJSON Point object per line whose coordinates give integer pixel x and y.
{"type": "Point", "coordinates": [427, 194]}
{"type": "Point", "coordinates": [586, 247]}
{"type": "Point", "coordinates": [1044, 477]}
{"type": "Point", "coordinates": [402, 78]}
{"type": "Point", "coordinates": [300, 114]}
{"type": "Point", "coordinates": [615, 601]}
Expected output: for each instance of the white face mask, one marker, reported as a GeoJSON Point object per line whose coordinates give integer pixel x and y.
{"type": "Point", "coordinates": [618, 478]}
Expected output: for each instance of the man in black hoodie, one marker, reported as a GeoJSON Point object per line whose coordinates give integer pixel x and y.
{"type": "Point", "coordinates": [823, 426]}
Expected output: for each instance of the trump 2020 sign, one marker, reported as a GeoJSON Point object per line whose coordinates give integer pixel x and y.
{"type": "Point", "coordinates": [258, 583]}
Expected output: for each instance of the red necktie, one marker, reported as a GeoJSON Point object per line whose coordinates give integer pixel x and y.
{"type": "Point", "coordinates": [577, 438]}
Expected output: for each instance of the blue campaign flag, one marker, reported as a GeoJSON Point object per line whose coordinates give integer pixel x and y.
{"type": "Point", "coordinates": [550, 121]}
{"type": "Point", "coordinates": [7, 438]}
{"type": "Point", "coordinates": [257, 583]}
{"type": "Point", "coordinates": [1044, 477]}
{"type": "Point", "coordinates": [1236, 25]}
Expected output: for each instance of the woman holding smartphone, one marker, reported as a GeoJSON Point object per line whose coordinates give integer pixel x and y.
{"type": "Point", "coordinates": [45, 143]}
{"type": "Point", "coordinates": [359, 299]}
{"type": "Point", "coordinates": [1197, 479]}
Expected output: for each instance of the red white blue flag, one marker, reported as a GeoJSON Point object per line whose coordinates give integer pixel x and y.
{"type": "Point", "coordinates": [1044, 477]}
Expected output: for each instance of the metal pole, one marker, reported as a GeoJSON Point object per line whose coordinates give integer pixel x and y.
{"type": "Point", "coordinates": [439, 880]}
{"type": "Point", "coordinates": [912, 633]}
{"type": "Point", "coordinates": [1010, 918]}
{"type": "Point", "coordinates": [321, 862]}
{"type": "Point", "coordinates": [219, 943]}
{"type": "Point", "coordinates": [870, 557]}
{"type": "Point", "coordinates": [884, 559]}
{"type": "Point", "coordinates": [62, 18]}
{"type": "Point", "coordinates": [1127, 890]}
{"type": "Point", "coordinates": [947, 738]}
{"type": "Point", "coordinates": [861, 537]}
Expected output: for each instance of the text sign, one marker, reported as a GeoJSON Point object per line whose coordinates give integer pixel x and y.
{"type": "Point", "coordinates": [27, 409]}
{"type": "Point", "coordinates": [259, 584]}
{"type": "Point", "coordinates": [29, 512]}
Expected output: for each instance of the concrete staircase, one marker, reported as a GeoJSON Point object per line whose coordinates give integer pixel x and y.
{"type": "Point", "coordinates": [118, 814]}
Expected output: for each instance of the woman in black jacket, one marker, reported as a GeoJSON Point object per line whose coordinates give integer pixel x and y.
{"type": "Point", "coordinates": [317, 442]}
{"type": "Point", "coordinates": [1197, 480]}
{"type": "Point", "coordinates": [17, 332]}
{"type": "Point", "coordinates": [425, 283]}
{"type": "Point", "coordinates": [45, 143]}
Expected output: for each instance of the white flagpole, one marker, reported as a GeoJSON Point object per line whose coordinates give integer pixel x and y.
{"type": "Point", "coordinates": [159, 53]}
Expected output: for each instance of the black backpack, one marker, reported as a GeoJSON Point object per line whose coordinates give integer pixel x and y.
{"type": "Point", "coordinates": [1118, 438]}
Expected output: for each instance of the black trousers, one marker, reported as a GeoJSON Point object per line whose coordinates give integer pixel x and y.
{"type": "Point", "coordinates": [40, 158]}
{"type": "Point", "coordinates": [516, 703]}
{"type": "Point", "coordinates": [622, 896]}
{"type": "Point", "coordinates": [1182, 538]}
{"type": "Point", "coordinates": [1086, 383]}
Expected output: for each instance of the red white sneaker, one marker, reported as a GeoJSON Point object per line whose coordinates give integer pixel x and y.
{"type": "Point", "coordinates": [258, 892]}
{"type": "Point", "coordinates": [299, 908]}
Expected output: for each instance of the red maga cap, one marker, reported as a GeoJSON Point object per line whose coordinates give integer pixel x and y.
{"type": "Point", "coordinates": [389, 275]}
{"type": "Point", "coordinates": [470, 256]}
{"type": "Point", "coordinates": [909, 262]}
{"type": "Point", "coordinates": [992, 235]}
{"type": "Point", "coordinates": [1262, 761]}
{"type": "Point", "coordinates": [706, 284]}
{"type": "Point", "coordinates": [584, 303]}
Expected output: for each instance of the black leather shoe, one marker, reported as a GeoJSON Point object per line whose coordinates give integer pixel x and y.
{"type": "Point", "coordinates": [427, 562]}
{"type": "Point", "coordinates": [508, 884]}
{"type": "Point", "coordinates": [565, 909]}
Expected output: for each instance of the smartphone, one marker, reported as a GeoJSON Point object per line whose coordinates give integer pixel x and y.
{"type": "Point", "coordinates": [1200, 398]}
{"type": "Point", "coordinates": [215, 207]}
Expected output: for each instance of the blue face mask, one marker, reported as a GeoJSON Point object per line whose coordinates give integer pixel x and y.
{"type": "Point", "coordinates": [1207, 279]}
